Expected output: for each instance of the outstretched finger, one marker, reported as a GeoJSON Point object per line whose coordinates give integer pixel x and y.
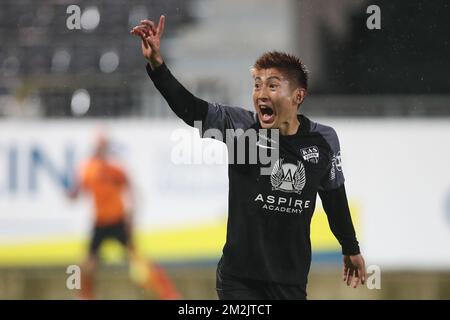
{"type": "Point", "coordinates": [356, 279]}
{"type": "Point", "coordinates": [344, 273]}
{"type": "Point", "coordinates": [349, 276]}
{"type": "Point", "coordinates": [138, 31]}
{"type": "Point", "coordinates": [134, 31]}
{"type": "Point", "coordinates": [362, 272]}
{"type": "Point", "coordinates": [160, 29]}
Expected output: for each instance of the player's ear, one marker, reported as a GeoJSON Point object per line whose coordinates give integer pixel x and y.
{"type": "Point", "coordinates": [300, 94]}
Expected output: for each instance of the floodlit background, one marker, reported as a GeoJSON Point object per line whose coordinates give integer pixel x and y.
{"type": "Point", "coordinates": [386, 92]}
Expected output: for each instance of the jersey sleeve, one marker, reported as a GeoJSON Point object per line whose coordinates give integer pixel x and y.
{"type": "Point", "coordinates": [220, 118]}
{"type": "Point", "coordinates": [183, 103]}
{"type": "Point", "coordinates": [336, 207]}
{"type": "Point", "coordinates": [212, 119]}
{"type": "Point", "coordinates": [334, 177]}
{"type": "Point", "coordinates": [333, 195]}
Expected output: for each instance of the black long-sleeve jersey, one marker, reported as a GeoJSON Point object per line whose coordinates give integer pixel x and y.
{"type": "Point", "coordinates": [268, 230]}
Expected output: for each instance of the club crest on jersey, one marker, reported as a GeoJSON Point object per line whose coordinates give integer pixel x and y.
{"type": "Point", "coordinates": [288, 177]}
{"type": "Point", "coordinates": [310, 154]}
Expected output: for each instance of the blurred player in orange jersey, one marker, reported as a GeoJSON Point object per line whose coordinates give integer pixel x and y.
{"type": "Point", "coordinates": [110, 188]}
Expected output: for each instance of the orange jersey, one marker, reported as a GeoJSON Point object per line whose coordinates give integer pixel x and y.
{"type": "Point", "coordinates": [106, 182]}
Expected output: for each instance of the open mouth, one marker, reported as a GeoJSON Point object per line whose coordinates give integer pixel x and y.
{"type": "Point", "coordinates": [267, 114]}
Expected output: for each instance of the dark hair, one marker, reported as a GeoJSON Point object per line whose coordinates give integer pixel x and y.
{"type": "Point", "coordinates": [287, 63]}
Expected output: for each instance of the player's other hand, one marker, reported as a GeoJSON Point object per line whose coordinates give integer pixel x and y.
{"type": "Point", "coordinates": [354, 271]}
{"type": "Point", "coordinates": [150, 35]}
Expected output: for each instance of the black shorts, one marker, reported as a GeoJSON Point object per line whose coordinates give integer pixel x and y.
{"type": "Point", "coordinates": [233, 288]}
{"type": "Point", "coordinates": [116, 231]}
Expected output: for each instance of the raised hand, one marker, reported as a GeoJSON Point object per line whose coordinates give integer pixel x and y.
{"type": "Point", "coordinates": [151, 40]}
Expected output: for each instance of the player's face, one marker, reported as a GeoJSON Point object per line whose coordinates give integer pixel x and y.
{"type": "Point", "coordinates": [101, 148]}
{"type": "Point", "coordinates": [275, 99]}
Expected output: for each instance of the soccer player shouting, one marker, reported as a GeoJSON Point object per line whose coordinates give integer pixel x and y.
{"type": "Point", "coordinates": [267, 254]}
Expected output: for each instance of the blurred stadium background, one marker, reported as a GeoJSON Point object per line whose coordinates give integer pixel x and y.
{"type": "Point", "coordinates": [385, 91]}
